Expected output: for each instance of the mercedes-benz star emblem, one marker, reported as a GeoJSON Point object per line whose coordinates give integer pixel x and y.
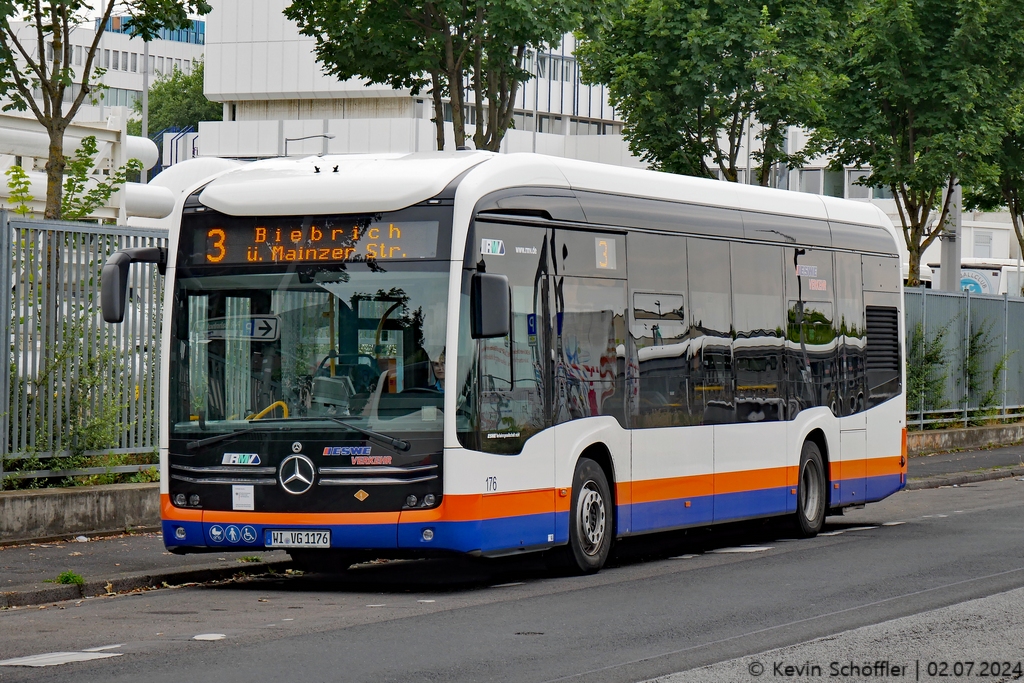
{"type": "Point", "coordinates": [296, 474]}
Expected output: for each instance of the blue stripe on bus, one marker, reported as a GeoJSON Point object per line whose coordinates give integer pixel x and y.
{"type": "Point", "coordinates": [509, 533]}
{"type": "Point", "coordinates": [884, 485]}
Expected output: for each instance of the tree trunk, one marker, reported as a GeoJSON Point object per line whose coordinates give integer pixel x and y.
{"type": "Point", "coordinates": [55, 164]}
{"type": "Point", "coordinates": [914, 273]}
{"type": "Point", "coordinates": [435, 78]}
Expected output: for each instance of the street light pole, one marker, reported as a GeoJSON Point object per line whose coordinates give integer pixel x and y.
{"type": "Point", "coordinates": [145, 102]}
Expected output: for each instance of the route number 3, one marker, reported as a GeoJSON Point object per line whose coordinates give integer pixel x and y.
{"type": "Point", "coordinates": [491, 484]}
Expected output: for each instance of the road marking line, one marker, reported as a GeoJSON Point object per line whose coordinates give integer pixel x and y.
{"type": "Point", "coordinates": [101, 648]}
{"type": "Point", "coordinates": [426, 601]}
{"type": "Point", "coordinates": [376, 605]}
{"type": "Point", "coordinates": [508, 585]}
{"type": "Point", "coordinates": [57, 658]}
{"type": "Point", "coordinates": [742, 549]}
{"type": "Point", "coordinates": [683, 557]}
{"type": "Point", "coordinates": [892, 523]}
{"type": "Point", "coordinates": [209, 636]}
{"type": "Point", "coordinates": [862, 528]}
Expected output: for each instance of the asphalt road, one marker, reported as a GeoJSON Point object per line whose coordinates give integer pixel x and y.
{"type": "Point", "coordinates": [668, 604]}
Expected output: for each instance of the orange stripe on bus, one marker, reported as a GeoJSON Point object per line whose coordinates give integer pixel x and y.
{"type": "Point", "coordinates": [653, 490]}
{"type": "Point", "coordinates": [751, 480]}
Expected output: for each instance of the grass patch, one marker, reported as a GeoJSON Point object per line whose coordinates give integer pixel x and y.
{"type": "Point", "coordinates": [68, 578]}
{"type": "Point", "coordinates": [250, 558]}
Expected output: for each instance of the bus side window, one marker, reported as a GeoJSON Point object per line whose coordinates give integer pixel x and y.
{"type": "Point", "coordinates": [759, 337]}
{"type": "Point", "coordinates": [852, 337]}
{"type": "Point", "coordinates": [659, 392]}
{"type": "Point", "coordinates": [810, 358]}
{"type": "Point", "coordinates": [710, 352]}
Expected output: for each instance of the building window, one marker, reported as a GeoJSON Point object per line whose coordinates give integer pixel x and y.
{"type": "Point", "coordinates": [124, 61]}
{"type": "Point", "coordinates": [135, 62]}
{"type": "Point", "coordinates": [188, 66]}
{"type": "Point", "coordinates": [78, 55]}
{"type": "Point", "coordinates": [855, 191]}
{"type": "Point", "coordinates": [106, 59]}
{"type": "Point", "coordinates": [177, 64]}
{"type": "Point", "coordinates": [114, 63]}
{"type": "Point", "coordinates": [982, 244]}
{"type": "Point", "coordinates": [834, 184]}
{"type": "Point", "coordinates": [810, 180]}
{"type": "Point", "coordinates": [152, 64]}
{"type": "Point", "coordinates": [542, 66]}
{"type": "Point", "coordinates": [49, 51]}
{"type": "Point", "coordinates": [160, 65]}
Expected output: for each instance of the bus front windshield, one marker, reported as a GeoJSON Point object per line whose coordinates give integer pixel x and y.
{"type": "Point", "coordinates": [353, 343]}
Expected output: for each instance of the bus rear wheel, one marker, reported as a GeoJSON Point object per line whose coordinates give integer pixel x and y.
{"type": "Point", "coordinates": [810, 492]}
{"type": "Point", "coordinates": [591, 527]}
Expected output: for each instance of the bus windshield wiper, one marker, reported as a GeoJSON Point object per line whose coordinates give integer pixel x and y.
{"type": "Point", "coordinates": [193, 445]}
{"type": "Point", "coordinates": [400, 444]}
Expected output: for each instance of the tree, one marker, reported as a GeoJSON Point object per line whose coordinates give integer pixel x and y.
{"type": "Point", "coordinates": [687, 77]}
{"type": "Point", "coordinates": [46, 63]}
{"type": "Point", "coordinates": [1004, 185]}
{"type": "Point", "coordinates": [177, 99]}
{"type": "Point", "coordinates": [928, 91]}
{"type": "Point", "coordinates": [452, 46]}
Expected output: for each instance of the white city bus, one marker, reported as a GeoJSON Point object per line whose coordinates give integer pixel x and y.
{"type": "Point", "coordinates": [493, 354]}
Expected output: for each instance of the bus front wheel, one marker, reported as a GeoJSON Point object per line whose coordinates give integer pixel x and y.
{"type": "Point", "coordinates": [590, 523]}
{"type": "Point", "coordinates": [810, 492]}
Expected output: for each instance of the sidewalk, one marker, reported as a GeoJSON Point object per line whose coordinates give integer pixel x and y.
{"type": "Point", "coordinates": [126, 562]}
{"type": "Point", "coordinates": [114, 564]}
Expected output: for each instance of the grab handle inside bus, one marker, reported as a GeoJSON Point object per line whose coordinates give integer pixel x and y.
{"type": "Point", "coordinates": [114, 279]}
{"type": "Point", "coordinates": [490, 305]}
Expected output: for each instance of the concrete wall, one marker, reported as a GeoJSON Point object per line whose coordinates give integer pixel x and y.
{"type": "Point", "coordinates": [945, 440]}
{"type": "Point", "coordinates": [59, 513]}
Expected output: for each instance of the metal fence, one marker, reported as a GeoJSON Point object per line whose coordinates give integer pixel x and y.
{"type": "Point", "coordinates": [977, 367]}
{"type": "Point", "coordinates": [76, 389]}
{"type": "Point", "coordinates": [79, 395]}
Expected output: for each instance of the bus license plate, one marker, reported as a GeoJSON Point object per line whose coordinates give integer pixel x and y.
{"type": "Point", "coordinates": [298, 539]}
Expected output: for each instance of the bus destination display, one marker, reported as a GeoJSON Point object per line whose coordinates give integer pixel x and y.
{"type": "Point", "coordinates": [296, 242]}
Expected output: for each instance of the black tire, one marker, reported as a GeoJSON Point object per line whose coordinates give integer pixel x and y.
{"type": "Point", "coordinates": [591, 519]}
{"type": "Point", "coordinates": [322, 561]}
{"type": "Point", "coordinates": [811, 492]}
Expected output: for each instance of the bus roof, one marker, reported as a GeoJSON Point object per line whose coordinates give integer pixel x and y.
{"type": "Point", "coordinates": [358, 183]}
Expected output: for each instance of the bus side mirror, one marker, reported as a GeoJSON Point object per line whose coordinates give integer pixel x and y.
{"type": "Point", "coordinates": [490, 305]}
{"type": "Point", "coordinates": [114, 279]}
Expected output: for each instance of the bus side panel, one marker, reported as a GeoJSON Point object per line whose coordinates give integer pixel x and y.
{"type": "Point", "coordinates": [673, 477]}
{"type": "Point", "coordinates": [886, 464]}
{"type": "Point", "coordinates": [491, 502]}
{"type": "Point", "coordinates": [750, 470]}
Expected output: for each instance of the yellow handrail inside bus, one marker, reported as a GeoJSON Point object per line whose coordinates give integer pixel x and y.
{"type": "Point", "coordinates": [277, 404]}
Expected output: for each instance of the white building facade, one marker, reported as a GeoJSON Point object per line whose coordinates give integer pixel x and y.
{"type": "Point", "coordinates": [274, 92]}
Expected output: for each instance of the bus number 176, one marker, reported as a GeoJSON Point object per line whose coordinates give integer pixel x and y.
{"type": "Point", "coordinates": [491, 484]}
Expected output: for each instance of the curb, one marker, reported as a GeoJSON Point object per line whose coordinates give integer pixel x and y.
{"type": "Point", "coordinates": [962, 478]}
{"type": "Point", "coordinates": [132, 582]}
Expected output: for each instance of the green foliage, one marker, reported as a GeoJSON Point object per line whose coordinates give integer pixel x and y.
{"type": "Point", "coordinates": [1004, 187]}
{"type": "Point", "coordinates": [19, 186]}
{"type": "Point", "coordinates": [983, 384]}
{"type": "Point", "coordinates": [250, 558]}
{"type": "Point", "coordinates": [24, 68]}
{"type": "Point", "coordinates": [85, 190]}
{"type": "Point", "coordinates": [687, 74]}
{"type": "Point", "coordinates": [449, 45]}
{"type": "Point", "coordinates": [68, 578]}
{"type": "Point", "coordinates": [177, 99]}
{"type": "Point", "coordinates": [927, 370]}
{"type": "Point", "coordinates": [926, 90]}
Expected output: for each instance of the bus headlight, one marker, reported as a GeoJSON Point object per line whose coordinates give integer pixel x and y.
{"type": "Point", "coordinates": [411, 500]}
{"type": "Point", "coordinates": [429, 499]}
{"type": "Point", "coordinates": [179, 499]}
{"type": "Point", "coordinates": [193, 500]}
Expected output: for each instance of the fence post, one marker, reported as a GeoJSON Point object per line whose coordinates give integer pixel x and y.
{"type": "Point", "coordinates": [6, 321]}
{"type": "Point", "coordinates": [967, 357]}
{"type": "Point", "coordinates": [924, 340]}
{"type": "Point", "coordinates": [1006, 343]}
